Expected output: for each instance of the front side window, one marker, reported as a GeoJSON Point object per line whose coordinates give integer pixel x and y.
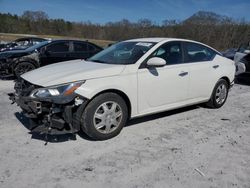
{"type": "Point", "coordinates": [171, 52]}
{"type": "Point", "coordinates": [122, 53]}
{"type": "Point", "coordinates": [23, 42]}
{"type": "Point", "coordinates": [91, 48]}
{"type": "Point", "coordinates": [59, 47]}
{"type": "Point", "coordinates": [197, 52]}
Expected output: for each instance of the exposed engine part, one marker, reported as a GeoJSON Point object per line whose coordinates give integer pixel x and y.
{"type": "Point", "coordinates": [78, 101]}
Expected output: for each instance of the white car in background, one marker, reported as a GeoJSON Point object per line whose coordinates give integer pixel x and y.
{"type": "Point", "coordinates": [127, 80]}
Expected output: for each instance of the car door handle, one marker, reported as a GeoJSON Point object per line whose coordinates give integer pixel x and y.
{"type": "Point", "coordinates": [183, 73]}
{"type": "Point", "coordinates": [216, 66]}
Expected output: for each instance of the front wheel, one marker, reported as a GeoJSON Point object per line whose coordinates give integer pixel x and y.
{"type": "Point", "coordinates": [23, 67]}
{"type": "Point", "coordinates": [104, 117]}
{"type": "Point", "coordinates": [219, 95]}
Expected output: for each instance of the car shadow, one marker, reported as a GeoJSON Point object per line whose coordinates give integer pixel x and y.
{"type": "Point", "coordinates": [72, 137]}
{"type": "Point", "coordinates": [161, 115]}
{"type": "Point", "coordinates": [243, 81]}
{"type": "Point", "coordinates": [49, 138]}
{"type": "Point", "coordinates": [7, 78]}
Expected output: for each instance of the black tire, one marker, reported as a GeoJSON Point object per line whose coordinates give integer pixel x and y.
{"type": "Point", "coordinates": [23, 67]}
{"type": "Point", "coordinates": [213, 102]}
{"type": "Point", "coordinates": [88, 122]}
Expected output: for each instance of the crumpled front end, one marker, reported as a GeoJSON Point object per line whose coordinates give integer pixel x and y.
{"type": "Point", "coordinates": [5, 68]}
{"type": "Point", "coordinates": [49, 116]}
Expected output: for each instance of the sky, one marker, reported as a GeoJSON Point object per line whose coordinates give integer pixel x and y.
{"type": "Point", "coordinates": [103, 11]}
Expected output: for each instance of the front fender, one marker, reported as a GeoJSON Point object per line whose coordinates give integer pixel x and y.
{"type": "Point", "coordinates": [126, 84]}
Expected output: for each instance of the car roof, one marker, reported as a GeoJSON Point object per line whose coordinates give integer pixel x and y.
{"type": "Point", "coordinates": [69, 40]}
{"type": "Point", "coordinates": [25, 38]}
{"type": "Point", "coordinates": [159, 39]}
{"type": "Point", "coordinates": [73, 40]}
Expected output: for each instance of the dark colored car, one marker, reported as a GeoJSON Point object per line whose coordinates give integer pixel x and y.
{"type": "Point", "coordinates": [17, 62]}
{"type": "Point", "coordinates": [242, 61]}
{"type": "Point", "coordinates": [21, 43]}
{"type": "Point", "coordinates": [229, 53]}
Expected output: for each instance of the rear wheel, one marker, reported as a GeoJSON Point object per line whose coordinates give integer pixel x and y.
{"type": "Point", "coordinates": [219, 95]}
{"type": "Point", "coordinates": [23, 67]}
{"type": "Point", "coordinates": [104, 117]}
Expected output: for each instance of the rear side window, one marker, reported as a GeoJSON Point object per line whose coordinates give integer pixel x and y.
{"type": "Point", "coordinates": [197, 53]}
{"type": "Point", "coordinates": [91, 48]}
{"type": "Point", "coordinates": [80, 47]}
{"type": "Point", "coordinates": [171, 52]}
{"type": "Point", "coordinates": [59, 47]}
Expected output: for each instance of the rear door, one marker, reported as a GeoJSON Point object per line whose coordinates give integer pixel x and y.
{"type": "Point", "coordinates": [80, 50]}
{"type": "Point", "coordinates": [93, 49]}
{"type": "Point", "coordinates": [203, 70]}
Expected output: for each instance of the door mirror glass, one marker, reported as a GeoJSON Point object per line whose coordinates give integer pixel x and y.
{"type": "Point", "coordinates": [156, 62]}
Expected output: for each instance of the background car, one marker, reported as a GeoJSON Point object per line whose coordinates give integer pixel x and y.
{"type": "Point", "coordinates": [21, 43]}
{"type": "Point", "coordinates": [127, 80]}
{"type": "Point", "coordinates": [242, 61]}
{"type": "Point", "coordinates": [17, 62]}
{"type": "Point", "coordinates": [229, 53]}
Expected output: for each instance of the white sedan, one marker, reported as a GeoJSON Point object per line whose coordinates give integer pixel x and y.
{"type": "Point", "coordinates": [129, 79]}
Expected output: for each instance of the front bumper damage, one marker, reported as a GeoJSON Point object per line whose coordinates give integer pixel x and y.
{"type": "Point", "coordinates": [5, 69]}
{"type": "Point", "coordinates": [48, 117]}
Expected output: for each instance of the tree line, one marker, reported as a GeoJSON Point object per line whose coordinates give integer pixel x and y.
{"type": "Point", "coordinates": [218, 31]}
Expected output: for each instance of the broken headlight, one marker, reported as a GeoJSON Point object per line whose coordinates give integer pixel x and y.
{"type": "Point", "coordinates": [64, 90]}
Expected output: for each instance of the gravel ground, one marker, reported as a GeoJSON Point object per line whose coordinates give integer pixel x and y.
{"type": "Point", "coordinates": [191, 147]}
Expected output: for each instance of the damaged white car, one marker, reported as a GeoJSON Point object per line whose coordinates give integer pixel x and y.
{"type": "Point", "coordinates": [127, 80]}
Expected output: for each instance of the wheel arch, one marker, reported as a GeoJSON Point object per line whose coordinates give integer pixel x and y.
{"type": "Point", "coordinates": [33, 62]}
{"type": "Point", "coordinates": [226, 79]}
{"type": "Point", "coordinates": [222, 78]}
{"type": "Point", "coordinates": [121, 94]}
{"type": "Point", "coordinates": [24, 61]}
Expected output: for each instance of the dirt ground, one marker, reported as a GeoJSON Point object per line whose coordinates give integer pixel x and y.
{"type": "Point", "coordinates": [192, 147]}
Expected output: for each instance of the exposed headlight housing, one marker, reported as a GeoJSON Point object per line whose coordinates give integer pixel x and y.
{"type": "Point", "coordinates": [56, 92]}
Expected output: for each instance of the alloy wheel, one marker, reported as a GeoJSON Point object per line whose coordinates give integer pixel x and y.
{"type": "Point", "coordinates": [23, 68]}
{"type": "Point", "coordinates": [107, 117]}
{"type": "Point", "coordinates": [221, 94]}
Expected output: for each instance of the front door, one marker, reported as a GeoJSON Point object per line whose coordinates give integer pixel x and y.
{"type": "Point", "coordinates": [55, 52]}
{"type": "Point", "coordinates": [161, 88]}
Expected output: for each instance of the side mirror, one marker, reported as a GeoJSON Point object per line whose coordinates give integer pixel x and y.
{"type": "Point", "coordinates": [156, 62]}
{"type": "Point", "coordinates": [247, 51]}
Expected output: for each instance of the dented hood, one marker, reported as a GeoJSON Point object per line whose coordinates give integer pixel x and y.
{"type": "Point", "coordinates": [70, 71]}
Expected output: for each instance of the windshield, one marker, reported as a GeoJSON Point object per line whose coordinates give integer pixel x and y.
{"type": "Point", "coordinates": [122, 53]}
{"type": "Point", "coordinates": [36, 46]}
